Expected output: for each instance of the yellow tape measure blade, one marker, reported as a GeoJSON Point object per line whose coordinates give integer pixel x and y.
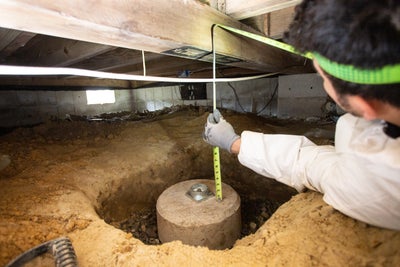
{"type": "Point", "coordinates": [217, 174]}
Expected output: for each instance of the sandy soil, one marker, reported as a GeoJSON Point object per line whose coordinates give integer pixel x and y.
{"type": "Point", "coordinates": [65, 177]}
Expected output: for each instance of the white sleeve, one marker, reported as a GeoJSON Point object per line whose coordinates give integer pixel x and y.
{"type": "Point", "coordinates": [359, 186]}
{"type": "Point", "coordinates": [275, 156]}
{"type": "Point", "coordinates": [355, 185]}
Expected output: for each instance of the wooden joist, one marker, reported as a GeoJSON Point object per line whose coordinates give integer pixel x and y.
{"type": "Point", "coordinates": [272, 24]}
{"type": "Point", "coordinates": [57, 52]}
{"type": "Point", "coordinates": [11, 40]}
{"type": "Point", "coordinates": [155, 26]}
{"type": "Point", "coordinates": [239, 9]}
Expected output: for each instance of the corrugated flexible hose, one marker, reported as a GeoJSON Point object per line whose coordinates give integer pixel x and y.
{"type": "Point", "coordinates": [61, 249]}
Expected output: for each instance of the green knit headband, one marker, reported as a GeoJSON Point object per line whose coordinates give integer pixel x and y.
{"type": "Point", "coordinates": [388, 74]}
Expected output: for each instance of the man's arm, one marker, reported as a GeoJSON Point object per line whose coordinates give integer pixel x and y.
{"type": "Point", "coordinates": [362, 188]}
{"type": "Point", "coordinates": [358, 187]}
{"type": "Point", "coordinates": [275, 156]}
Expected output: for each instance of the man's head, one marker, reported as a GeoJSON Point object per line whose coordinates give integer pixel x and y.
{"type": "Point", "coordinates": [364, 34]}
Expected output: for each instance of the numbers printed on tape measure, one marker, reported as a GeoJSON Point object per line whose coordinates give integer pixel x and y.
{"type": "Point", "coordinates": [217, 174]}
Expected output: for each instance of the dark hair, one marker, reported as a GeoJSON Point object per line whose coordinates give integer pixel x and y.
{"type": "Point", "coordinates": [365, 34]}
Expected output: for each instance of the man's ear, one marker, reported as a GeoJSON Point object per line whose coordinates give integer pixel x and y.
{"type": "Point", "coordinates": [368, 109]}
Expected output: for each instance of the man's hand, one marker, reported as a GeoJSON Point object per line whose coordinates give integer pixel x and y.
{"type": "Point", "coordinates": [218, 132]}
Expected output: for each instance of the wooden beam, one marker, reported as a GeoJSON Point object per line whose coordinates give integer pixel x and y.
{"type": "Point", "coordinates": [55, 82]}
{"type": "Point", "coordinates": [239, 9]}
{"type": "Point", "coordinates": [154, 26]}
{"type": "Point", "coordinates": [272, 24]}
{"type": "Point", "coordinates": [279, 22]}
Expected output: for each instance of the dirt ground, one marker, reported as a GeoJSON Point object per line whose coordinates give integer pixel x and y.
{"type": "Point", "coordinates": [78, 177]}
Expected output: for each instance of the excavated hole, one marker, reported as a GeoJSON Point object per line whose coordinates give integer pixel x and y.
{"type": "Point", "coordinates": [134, 212]}
{"type": "Point", "coordinates": [130, 205]}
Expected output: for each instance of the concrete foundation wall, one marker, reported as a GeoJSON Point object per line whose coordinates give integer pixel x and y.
{"type": "Point", "coordinates": [287, 96]}
{"type": "Point", "coordinates": [157, 98]}
{"type": "Point", "coordinates": [301, 96]}
{"type": "Point", "coordinates": [21, 107]}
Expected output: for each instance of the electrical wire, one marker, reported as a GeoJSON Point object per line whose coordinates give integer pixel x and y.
{"type": "Point", "coordinates": [270, 100]}
{"type": "Point", "coordinates": [236, 97]}
{"type": "Point", "coordinates": [240, 105]}
{"type": "Point", "coordinates": [263, 108]}
{"type": "Point", "coordinates": [50, 71]}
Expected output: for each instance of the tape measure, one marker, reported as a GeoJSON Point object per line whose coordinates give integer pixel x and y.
{"type": "Point", "coordinates": [217, 174]}
{"type": "Point", "coordinates": [266, 40]}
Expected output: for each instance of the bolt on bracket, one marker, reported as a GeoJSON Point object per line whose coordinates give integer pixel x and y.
{"type": "Point", "coordinates": [199, 192]}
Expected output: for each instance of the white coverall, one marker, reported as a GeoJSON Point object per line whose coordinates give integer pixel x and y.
{"type": "Point", "coordinates": [360, 176]}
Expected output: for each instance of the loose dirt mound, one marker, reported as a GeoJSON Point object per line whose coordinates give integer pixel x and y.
{"type": "Point", "coordinates": [67, 178]}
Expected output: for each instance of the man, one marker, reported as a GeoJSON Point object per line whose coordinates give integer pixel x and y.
{"type": "Point", "coordinates": [356, 48]}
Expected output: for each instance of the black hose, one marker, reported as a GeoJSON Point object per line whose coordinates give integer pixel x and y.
{"type": "Point", "coordinates": [61, 248]}
{"type": "Point", "coordinates": [29, 255]}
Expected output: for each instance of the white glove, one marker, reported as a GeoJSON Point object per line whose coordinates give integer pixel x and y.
{"type": "Point", "coordinates": [218, 132]}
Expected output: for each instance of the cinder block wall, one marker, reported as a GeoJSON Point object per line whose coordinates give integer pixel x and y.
{"type": "Point", "coordinates": [287, 96]}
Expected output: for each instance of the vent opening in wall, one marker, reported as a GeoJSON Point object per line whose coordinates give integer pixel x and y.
{"type": "Point", "coordinates": [100, 97]}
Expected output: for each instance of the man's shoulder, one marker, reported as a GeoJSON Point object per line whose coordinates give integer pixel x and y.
{"type": "Point", "coordinates": [367, 139]}
{"type": "Point", "coordinates": [352, 121]}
